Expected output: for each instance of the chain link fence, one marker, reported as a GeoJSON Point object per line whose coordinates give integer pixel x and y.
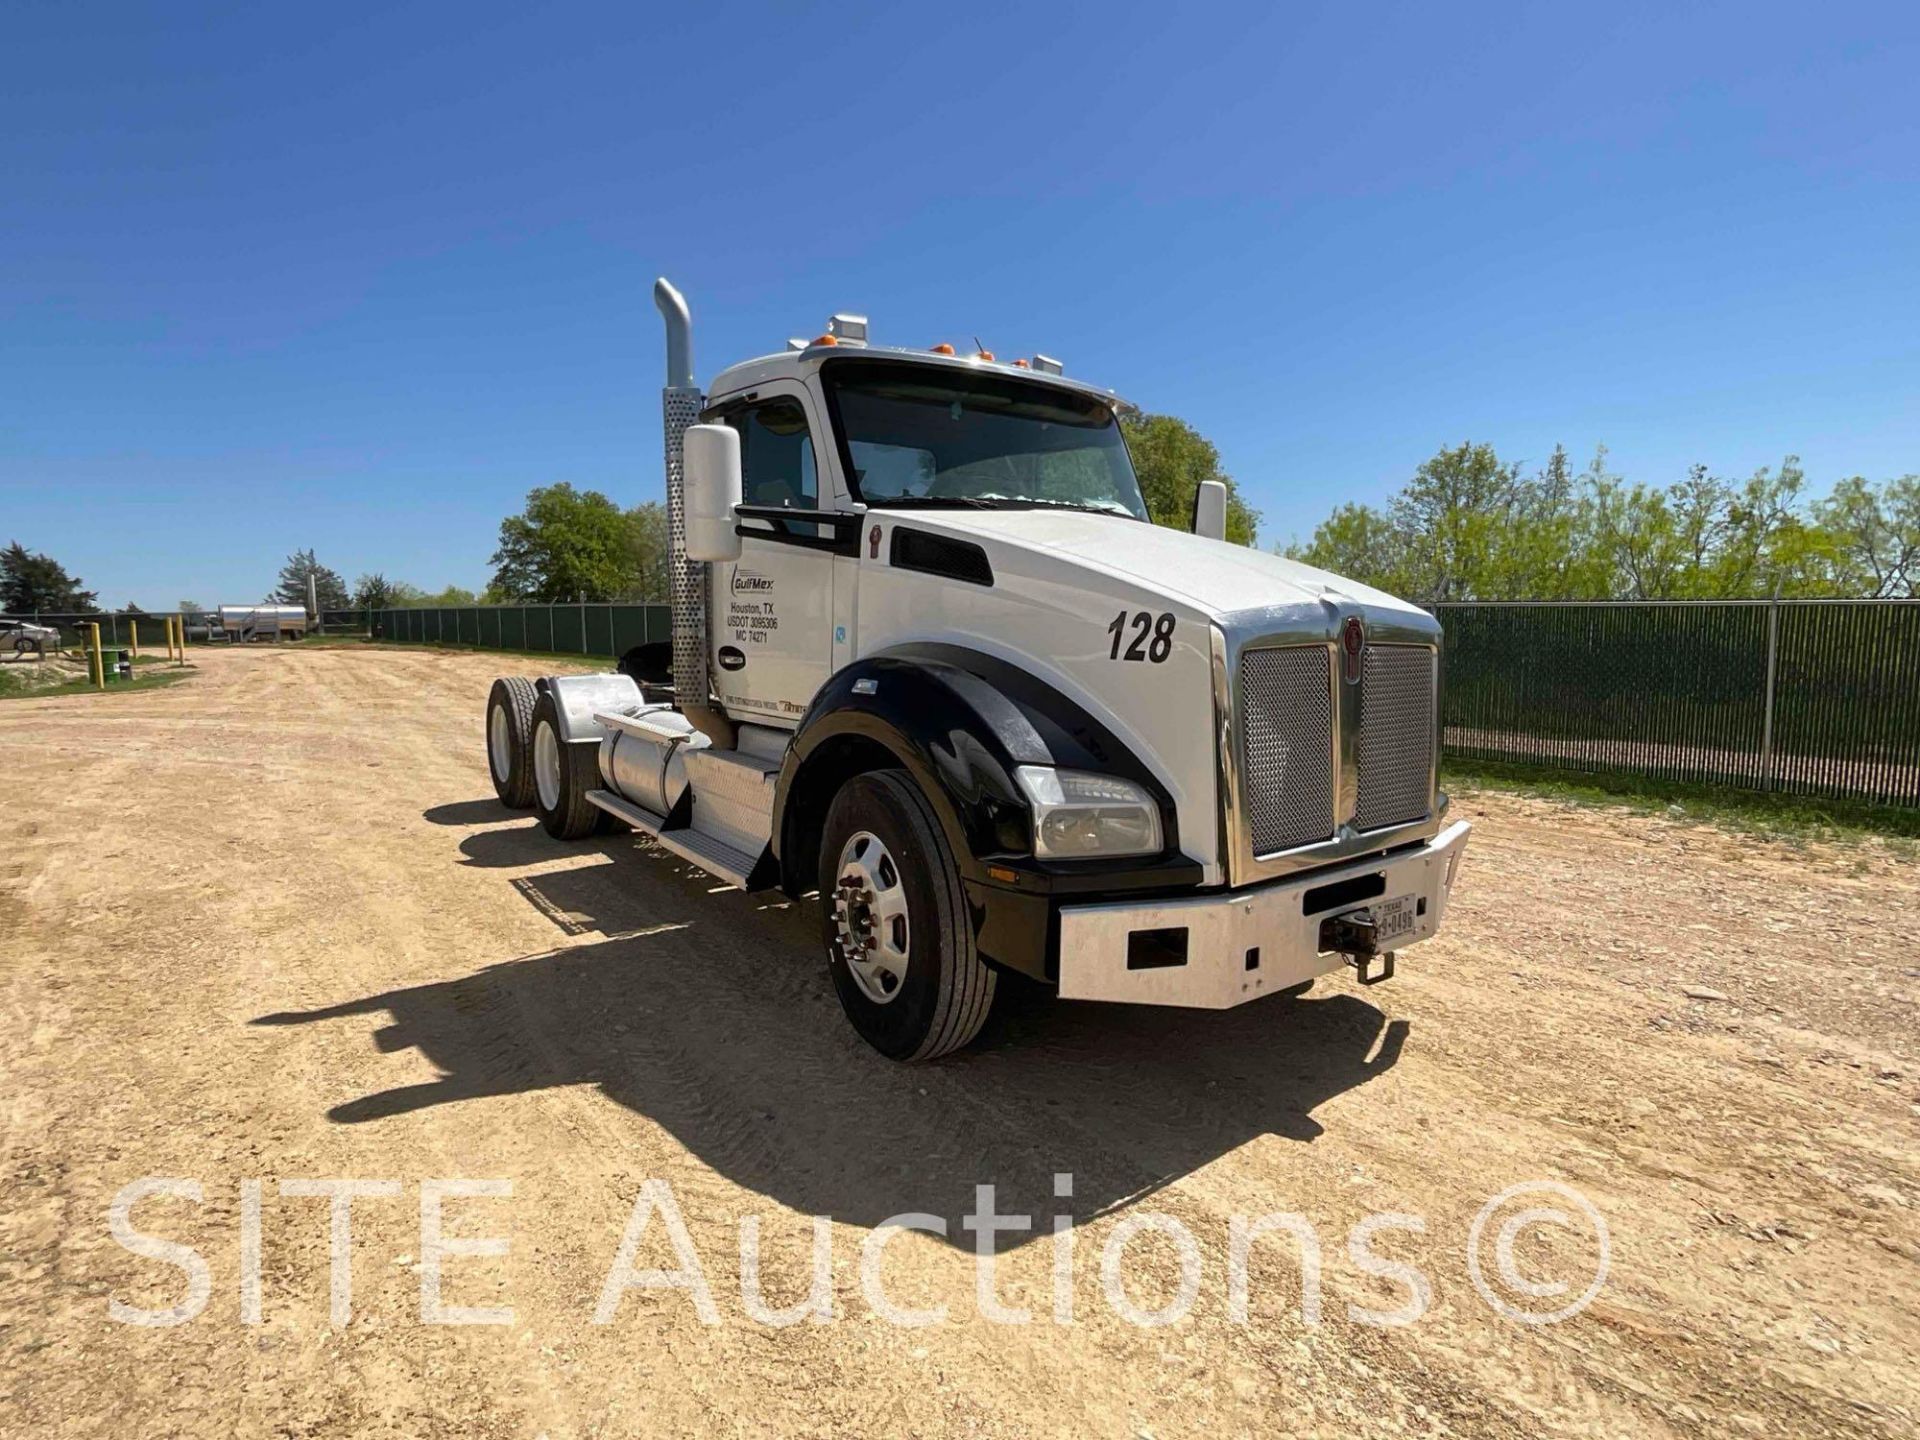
{"type": "Point", "coordinates": [119, 630]}
{"type": "Point", "coordinates": [595, 628]}
{"type": "Point", "coordinates": [1812, 697]}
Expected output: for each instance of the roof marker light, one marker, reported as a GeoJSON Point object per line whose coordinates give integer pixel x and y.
{"type": "Point", "coordinates": [1021, 365]}
{"type": "Point", "coordinates": [943, 348]}
{"type": "Point", "coordinates": [983, 355]}
{"type": "Point", "coordinates": [825, 340]}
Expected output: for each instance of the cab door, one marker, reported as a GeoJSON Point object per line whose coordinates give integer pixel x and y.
{"type": "Point", "coordinates": [772, 609]}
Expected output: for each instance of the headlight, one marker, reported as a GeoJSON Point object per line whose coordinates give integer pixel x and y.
{"type": "Point", "coordinates": [1077, 815]}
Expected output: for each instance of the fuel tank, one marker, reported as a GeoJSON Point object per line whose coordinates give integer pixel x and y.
{"type": "Point", "coordinates": [643, 755]}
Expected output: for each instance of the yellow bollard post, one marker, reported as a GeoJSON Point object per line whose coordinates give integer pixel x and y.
{"type": "Point", "coordinates": [179, 639]}
{"type": "Point", "coordinates": [99, 660]}
{"type": "Point", "coordinates": [133, 628]}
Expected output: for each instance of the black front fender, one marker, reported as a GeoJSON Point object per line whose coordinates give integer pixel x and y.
{"type": "Point", "coordinates": [960, 722]}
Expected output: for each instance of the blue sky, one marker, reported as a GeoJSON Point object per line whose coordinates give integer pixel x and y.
{"type": "Point", "coordinates": [357, 279]}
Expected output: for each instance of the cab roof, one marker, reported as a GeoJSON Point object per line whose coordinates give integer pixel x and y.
{"type": "Point", "coordinates": [799, 364]}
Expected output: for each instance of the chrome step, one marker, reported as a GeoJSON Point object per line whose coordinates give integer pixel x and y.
{"type": "Point", "coordinates": [709, 852]}
{"type": "Point", "coordinates": [623, 809]}
{"type": "Point", "coordinates": [716, 857]}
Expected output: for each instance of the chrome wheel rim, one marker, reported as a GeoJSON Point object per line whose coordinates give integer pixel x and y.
{"type": "Point", "coordinates": [870, 917]}
{"type": "Point", "coordinates": [546, 766]}
{"type": "Point", "coordinates": [499, 747]}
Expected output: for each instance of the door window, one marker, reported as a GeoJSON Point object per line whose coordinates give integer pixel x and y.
{"type": "Point", "coordinates": [776, 455]}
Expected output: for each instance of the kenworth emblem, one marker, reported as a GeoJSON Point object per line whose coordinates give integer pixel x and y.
{"type": "Point", "coordinates": [1353, 644]}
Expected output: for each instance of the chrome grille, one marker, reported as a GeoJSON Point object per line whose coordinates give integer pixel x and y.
{"type": "Point", "coordinates": [1395, 754]}
{"type": "Point", "coordinates": [1286, 746]}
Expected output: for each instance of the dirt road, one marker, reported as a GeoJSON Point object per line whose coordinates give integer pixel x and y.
{"type": "Point", "coordinates": [270, 925]}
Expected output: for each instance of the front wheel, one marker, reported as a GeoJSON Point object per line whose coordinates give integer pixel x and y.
{"type": "Point", "coordinates": [894, 917]}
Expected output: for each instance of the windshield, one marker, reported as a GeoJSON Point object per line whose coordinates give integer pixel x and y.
{"type": "Point", "coordinates": [920, 435]}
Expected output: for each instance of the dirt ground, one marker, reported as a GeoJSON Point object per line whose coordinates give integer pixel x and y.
{"type": "Point", "coordinates": [271, 925]}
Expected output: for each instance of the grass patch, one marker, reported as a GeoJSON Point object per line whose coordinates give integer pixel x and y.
{"type": "Point", "coordinates": [1773, 816]}
{"type": "Point", "coordinates": [17, 687]}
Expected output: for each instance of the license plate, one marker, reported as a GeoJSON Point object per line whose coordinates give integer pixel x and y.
{"type": "Point", "coordinates": [1393, 919]}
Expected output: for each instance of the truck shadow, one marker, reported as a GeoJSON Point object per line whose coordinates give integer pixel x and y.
{"type": "Point", "coordinates": [712, 1015]}
{"type": "Point", "coordinates": [469, 812]}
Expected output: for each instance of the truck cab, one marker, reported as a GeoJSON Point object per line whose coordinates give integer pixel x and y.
{"type": "Point", "coordinates": [932, 661]}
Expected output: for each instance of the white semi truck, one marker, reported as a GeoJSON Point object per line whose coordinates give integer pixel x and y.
{"type": "Point", "coordinates": [931, 660]}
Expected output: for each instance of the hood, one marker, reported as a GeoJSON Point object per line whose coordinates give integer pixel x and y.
{"type": "Point", "coordinates": [1211, 575]}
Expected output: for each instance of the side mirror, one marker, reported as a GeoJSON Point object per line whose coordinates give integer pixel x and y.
{"type": "Point", "coordinates": [1210, 510]}
{"type": "Point", "coordinates": [710, 478]}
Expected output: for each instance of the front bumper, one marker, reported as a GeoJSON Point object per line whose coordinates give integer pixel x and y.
{"type": "Point", "coordinates": [1216, 951]}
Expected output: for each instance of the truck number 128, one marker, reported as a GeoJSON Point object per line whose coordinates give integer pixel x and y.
{"type": "Point", "coordinates": [1140, 647]}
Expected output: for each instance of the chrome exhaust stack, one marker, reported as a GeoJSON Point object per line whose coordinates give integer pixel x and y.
{"type": "Point", "coordinates": [686, 579]}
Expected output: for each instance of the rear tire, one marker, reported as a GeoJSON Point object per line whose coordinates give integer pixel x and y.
{"type": "Point", "coordinates": [894, 917]}
{"type": "Point", "coordinates": [510, 740]}
{"type": "Point", "coordinates": [562, 776]}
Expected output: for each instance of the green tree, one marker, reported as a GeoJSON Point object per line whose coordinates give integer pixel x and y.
{"type": "Point", "coordinates": [451, 596]}
{"type": "Point", "coordinates": [1171, 458]}
{"type": "Point", "coordinates": [31, 582]}
{"type": "Point", "coordinates": [1453, 514]}
{"type": "Point", "coordinates": [566, 544]}
{"type": "Point", "coordinates": [329, 589]}
{"type": "Point", "coordinates": [648, 545]}
{"type": "Point", "coordinates": [1707, 539]}
{"type": "Point", "coordinates": [1469, 526]}
{"type": "Point", "coordinates": [187, 607]}
{"type": "Point", "coordinates": [376, 592]}
{"type": "Point", "coordinates": [1360, 543]}
{"type": "Point", "coordinates": [1874, 535]}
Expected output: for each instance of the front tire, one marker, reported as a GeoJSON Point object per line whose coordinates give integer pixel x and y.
{"type": "Point", "coordinates": [894, 918]}
{"type": "Point", "coordinates": [562, 776]}
{"type": "Point", "coordinates": [510, 740]}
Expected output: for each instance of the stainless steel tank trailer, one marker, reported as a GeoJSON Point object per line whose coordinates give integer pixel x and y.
{"type": "Point", "coordinates": [242, 623]}
{"type": "Point", "coordinates": [931, 660]}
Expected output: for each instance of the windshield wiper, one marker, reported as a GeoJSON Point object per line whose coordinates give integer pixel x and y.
{"type": "Point", "coordinates": [938, 502]}
{"type": "Point", "coordinates": [993, 502]}
{"type": "Point", "coordinates": [1119, 510]}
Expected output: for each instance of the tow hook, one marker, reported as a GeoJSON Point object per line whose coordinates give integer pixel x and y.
{"type": "Point", "coordinates": [1354, 935]}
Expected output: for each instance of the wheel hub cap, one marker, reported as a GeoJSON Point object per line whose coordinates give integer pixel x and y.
{"type": "Point", "coordinates": [546, 767]}
{"type": "Point", "coordinates": [499, 747]}
{"type": "Point", "coordinates": [870, 917]}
